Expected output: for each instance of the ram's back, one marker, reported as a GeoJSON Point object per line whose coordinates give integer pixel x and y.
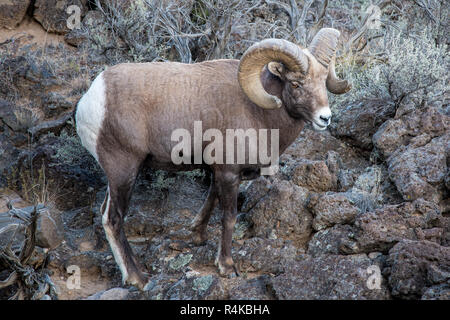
{"type": "Point", "coordinates": [146, 102]}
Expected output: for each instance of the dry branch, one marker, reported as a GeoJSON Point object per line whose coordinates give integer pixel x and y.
{"type": "Point", "coordinates": [30, 283]}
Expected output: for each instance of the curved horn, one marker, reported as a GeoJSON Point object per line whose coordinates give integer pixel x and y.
{"type": "Point", "coordinates": [260, 54]}
{"type": "Point", "coordinates": [323, 48]}
{"type": "Point", "coordinates": [334, 84]}
{"type": "Point", "coordinates": [323, 45]}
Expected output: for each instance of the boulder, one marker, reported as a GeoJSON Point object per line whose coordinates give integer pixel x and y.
{"type": "Point", "coordinates": [253, 289]}
{"type": "Point", "coordinates": [53, 16]}
{"type": "Point", "coordinates": [419, 170]}
{"type": "Point", "coordinates": [409, 122]}
{"type": "Point", "coordinates": [333, 277]}
{"type": "Point", "coordinates": [49, 228]}
{"type": "Point", "coordinates": [12, 12]}
{"type": "Point", "coordinates": [330, 209]}
{"type": "Point", "coordinates": [439, 292]}
{"type": "Point", "coordinates": [331, 241]}
{"type": "Point", "coordinates": [265, 255]}
{"type": "Point", "coordinates": [358, 122]}
{"type": "Point", "coordinates": [374, 183]}
{"type": "Point", "coordinates": [418, 268]}
{"type": "Point", "coordinates": [315, 145]}
{"type": "Point", "coordinates": [256, 190]}
{"type": "Point", "coordinates": [281, 214]}
{"type": "Point", "coordinates": [15, 118]}
{"type": "Point", "coordinates": [12, 231]}
{"type": "Point", "coordinates": [416, 145]}
{"type": "Point", "coordinates": [111, 294]}
{"type": "Point", "coordinates": [381, 229]}
{"type": "Point", "coordinates": [391, 135]}
{"type": "Point", "coordinates": [314, 175]}
{"type": "Point", "coordinates": [320, 162]}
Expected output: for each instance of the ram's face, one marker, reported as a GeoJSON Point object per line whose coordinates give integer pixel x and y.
{"type": "Point", "coordinates": [305, 76]}
{"type": "Point", "coordinates": [305, 95]}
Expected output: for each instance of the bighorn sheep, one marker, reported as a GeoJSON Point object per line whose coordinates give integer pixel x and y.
{"type": "Point", "coordinates": [126, 118]}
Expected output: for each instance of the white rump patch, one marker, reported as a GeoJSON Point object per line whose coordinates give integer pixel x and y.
{"type": "Point", "coordinates": [90, 114]}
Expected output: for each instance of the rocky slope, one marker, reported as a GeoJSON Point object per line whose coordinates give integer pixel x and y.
{"type": "Point", "coordinates": [357, 212]}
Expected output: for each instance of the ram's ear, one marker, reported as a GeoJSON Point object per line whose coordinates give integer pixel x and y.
{"type": "Point", "coordinates": [276, 68]}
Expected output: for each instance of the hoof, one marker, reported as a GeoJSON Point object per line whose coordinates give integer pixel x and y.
{"type": "Point", "coordinates": [227, 270]}
{"type": "Point", "coordinates": [199, 236]}
{"type": "Point", "coordinates": [137, 279]}
{"type": "Point", "coordinates": [198, 239]}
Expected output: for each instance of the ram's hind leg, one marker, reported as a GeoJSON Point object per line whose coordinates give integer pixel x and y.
{"type": "Point", "coordinates": [121, 171]}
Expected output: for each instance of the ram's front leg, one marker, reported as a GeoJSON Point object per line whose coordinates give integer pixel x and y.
{"type": "Point", "coordinates": [200, 223]}
{"type": "Point", "coordinates": [227, 185]}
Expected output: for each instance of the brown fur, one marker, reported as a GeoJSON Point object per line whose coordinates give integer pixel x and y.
{"type": "Point", "coordinates": [146, 102]}
{"type": "Point", "coordinates": [145, 97]}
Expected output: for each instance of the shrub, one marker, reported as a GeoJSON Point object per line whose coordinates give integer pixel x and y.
{"type": "Point", "coordinates": [411, 67]}
{"type": "Point", "coordinates": [35, 187]}
{"type": "Point", "coordinates": [162, 180]}
{"type": "Point", "coordinates": [69, 151]}
{"type": "Point", "coordinates": [185, 31]}
{"type": "Point", "coordinates": [416, 68]}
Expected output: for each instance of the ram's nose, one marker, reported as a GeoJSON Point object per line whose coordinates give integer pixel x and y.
{"type": "Point", "coordinates": [326, 119]}
{"type": "Point", "coordinates": [323, 116]}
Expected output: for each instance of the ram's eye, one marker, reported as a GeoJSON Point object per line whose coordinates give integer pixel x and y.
{"type": "Point", "coordinates": [295, 84]}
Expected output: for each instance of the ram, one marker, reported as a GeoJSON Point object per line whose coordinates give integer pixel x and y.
{"type": "Point", "coordinates": [127, 117]}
